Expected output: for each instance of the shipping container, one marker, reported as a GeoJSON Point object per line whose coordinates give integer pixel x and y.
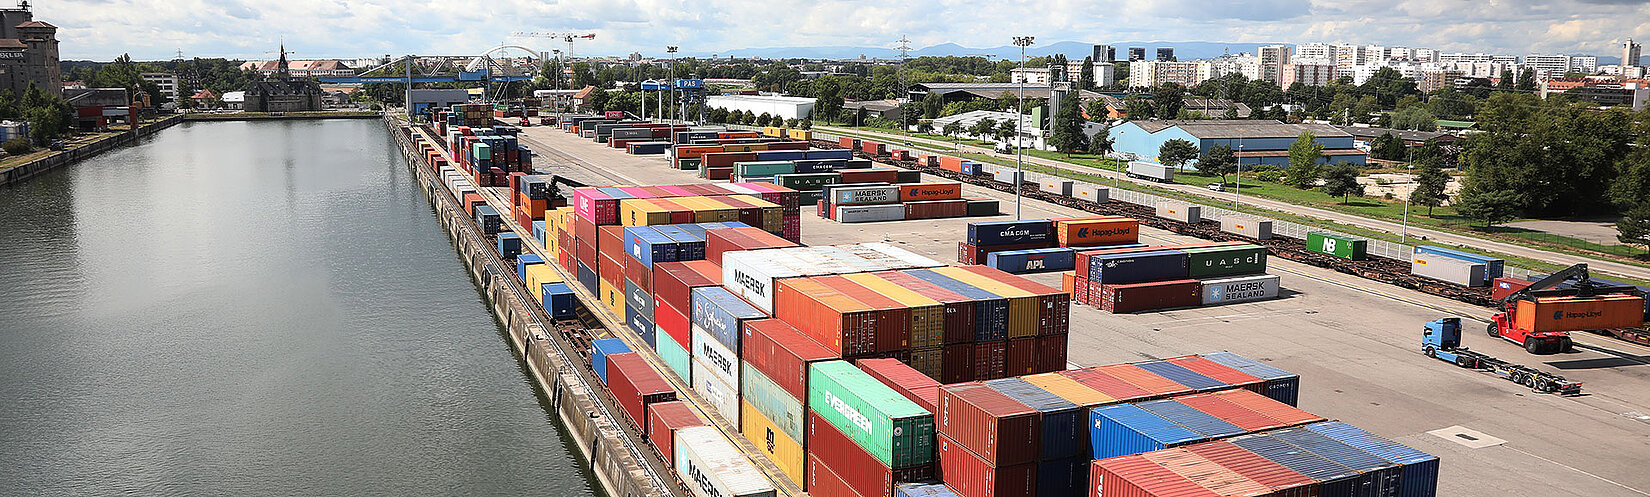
{"type": "Point", "coordinates": [675, 355]}
{"type": "Point", "coordinates": [1180, 211]}
{"type": "Point", "coordinates": [990, 360]}
{"type": "Point", "coordinates": [1054, 306]}
{"type": "Point", "coordinates": [784, 411]}
{"type": "Point", "coordinates": [868, 213]}
{"type": "Point", "coordinates": [893, 319]}
{"type": "Point", "coordinates": [959, 311]}
{"type": "Point", "coordinates": [1010, 232]}
{"type": "Point", "coordinates": [1221, 372]}
{"type": "Point", "coordinates": [898, 432]}
{"type": "Point", "coordinates": [1157, 386]}
{"type": "Point", "coordinates": [1138, 267]}
{"type": "Point", "coordinates": [663, 419]}
{"type": "Point", "coordinates": [927, 321]}
{"type": "Point", "coordinates": [1062, 422]}
{"type": "Point", "coordinates": [1259, 229]}
{"type": "Point", "coordinates": [635, 385]}
{"type": "Point", "coordinates": [1126, 429]}
{"type": "Point", "coordinates": [1020, 356]}
{"type": "Point", "coordinates": [1206, 473]}
{"type": "Point", "coordinates": [1494, 268]}
{"type": "Point", "coordinates": [780, 447]}
{"type": "Point", "coordinates": [782, 353]}
{"type": "Point", "coordinates": [1240, 289]}
{"type": "Point", "coordinates": [978, 254]}
{"type": "Point", "coordinates": [840, 323]}
{"type": "Point", "coordinates": [1377, 476]}
{"type": "Point", "coordinates": [1000, 430]}
{"type": "Point", "coordinates": [973, 476]}
{"type": "Point", "coordinates": [1580, 313]}
{"type": "Point", "coordinates": [712, 467]}
{"type": "Point", "coordinates": [1186, 377]}
{"type": "Point", "coordinates": [723, 397]}
{"type": "Point", "coordinates": [1033, 260]}
{"type": "Point", "coordinates": [1090, 192]}
{"type": "Point", "coordinates": [1138, 297]}
{"type": "Point", "coordinates": [1337, 245]}
{"type": "Point", "coordinates": [919, 192]}
{"type": "Point", "coordinates": [1025, 308]}
{"type": "Point", "coordinates": [864, 195]}
{"type": "Point", "coordinates": [1283, 481]}
{"type": "Point", "coordinates": [1102, 230]}
{"type": "Point", "coordinates": [720, 312]}
{"type": "Point", "coordinates": [717, 357]}
{"type": "Point", "coordinates": [1334, 478]}
{"type": "Point", "coordinates": [600, 349]}
{"type": "Point", "coordinates": [1226, 260]}
{"type": "Point", "coordinates": [924, 490]}
{"type": "Point", "coordinates": [1282, 386]}
{"type": "Point", "coordinates": [858, 468]}
{"type": "Point", "coordinates": [822, 480]}
{"type": "Point", "coordinates": [1071, 390]}
{"type": "Point", "coordinates": [905, 380]}
{"type": "Point", "coordinates": [1420, 473]}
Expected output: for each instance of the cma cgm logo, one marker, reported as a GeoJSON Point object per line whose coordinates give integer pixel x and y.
{"type": "Point", "coordinates": [1576, 315]}
{"type": "Point", "coordinates": [1016, 232]}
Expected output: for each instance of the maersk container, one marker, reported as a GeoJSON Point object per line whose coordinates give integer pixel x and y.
{"type": "Point", "coordinates": [1377, 476]}
{"type": "Point", "coordinates": [1225, 260]}
{"type": "Point", "coordinates": [600, 349]}
{"type": "Point", "coordinates": [1259, 229]}
{"type": "Point", "coordinates": [1033, 260]}
{"type": "Point", "coordinates": [1010, 232]}
{"type": "Point", "coordinates": [1183, 376]}
{"type": "Point", "coordinates": [719, 312]}
{"type": "Point", "coordinates": [722, 396]}
{"type": "Point", "coordinates": [1180, 211]}
{"type": "Point", "coordinates": [1240, 289]}
{"type": "Point", "coordinates": [717, 358]}
{"type": "Point", "coordinates": [784, 411]}
{"type": "Point", "coordinates": [674, 355]}
{"type": "Point", "coordinates": [1138, 267]}
{"type": "Point", "coordinates": [647, 246]}
{"type": "Point", "coordinates": [1495, 268]}
{"type": "Point", "coordinates": [712, 467]}
{"type": "Point", "coordinates": [1126, 429]}
{"type": "Point", "coordinates": [868, 213]}
{"type": "Point", "coordinates": [864, 195]}
{"type": "Point", "coordinates": [1420, 473]}
{"type": "Point", "coordinates": [1282, 386]}
{"type": "Point", "coordinates": [895, 430]}
{"type": "Point", "coordinates": [1449, 269]}
{"type": "Point", "coordinates": [1062, 422]}
{"type": "Point", "coordinates": [1341, 246]}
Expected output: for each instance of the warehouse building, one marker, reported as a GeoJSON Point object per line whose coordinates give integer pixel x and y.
{"type": "Point", "coordinates": [28, 52]}
{"type": "Point", "coordinates": [773, 105]}
{"type": "Point", "coordinates": [1255, 141]}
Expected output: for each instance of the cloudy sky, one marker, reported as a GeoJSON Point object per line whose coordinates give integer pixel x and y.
{"type": "Point", "coordinates": [157, 29]}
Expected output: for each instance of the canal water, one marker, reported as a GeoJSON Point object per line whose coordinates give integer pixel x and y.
{"type": "Point", "coordinates": [263, 308]}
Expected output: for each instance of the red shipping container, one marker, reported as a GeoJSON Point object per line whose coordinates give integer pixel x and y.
{"type": "Point", "coordinates": [1220, 372]}
{"type": "Point", "coordinates": [949, 163]}
{"type": "Point", "coordinates": [993, 426]}
{"type": "Point", "coordinates": [1107, 384]}
{"type": "Point", "coordinates": [1054, 306]}
{"type": "Point", "coordinates": [720, 241]}
{"type": "Point", "coordinates": [1051, 353]}
{"type": "Point", "coordinates": [893, 317]}
{"type": "Point", "coordinates": [823, 481]}
{"type": "Point", "coordinates": [970, 476]}
{"type": "Point", "coordinates": [663, 419]}
{"type": "Point", "coordinates": [1080, 293]}
{"type": "Point", "coordinates": [990, 360]}
{"type": "Point", "coordinates": [909, 382]}
{"type": "Point", "coordinates": [957, 363]}
{"type": "Point", "coordinates": [869, 175]}
{"type": "Point", "coordinates": [959, 310]}
{"type": "Point", "coordinates": [1134, 476]}
{"type": "Point", "coordinates": [1020, 358]}
{"type": "Point", "coordinates": [611, 242]}
{"type": "Point", "coordinates": [847, 142]}
{"type": "Point", "coordinates": [610, 270]}
{"type": "Point", "coordinates": [635, 385]}
{"type": "Point", "coordinates": [788, 145]}
{"type": "Point", "coordinates": [920, 192]}
{"type": "Point", "coordinates": [1282, 412]}
{"type": "Point", "coordinates": [936, 209]}
{"type": "Point", "coordinates": [673, 282]}
{"type": "Point", "coordinates": [725, 159]}
{"type": "Point", "coordinates": [1286, 482]}
{"type": "Point", "coordinates": [1146, 380]}
{"type": "Point", "coordinates": [969, 254]}
{"type": "Point", "coordinates": [840, 323]}
{"type": "Point", "coordinates": [1237, 415]}
{"type": "Point", "coordinates": [782, 353]}
{"type": "Point", "coordinates": [718, 173]}
{"type": "Point", "coordinates": [861, 470]}
{"type": "Point", "coordinates": [1137, 297]}
{"type": "Point", "coordinates": [675, 322]}
{"type": "Point", "coordinates": [640, 274]}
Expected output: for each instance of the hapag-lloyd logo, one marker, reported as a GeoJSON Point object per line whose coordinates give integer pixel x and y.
{"type": "Point", "coordinates": [1086, 232]}
{"type": "Point", "coordinates": [1576, 315]}
{"type": "Point", "coordinates": [932, 190]}
{"type": "Point", "coordinates": [847, 411]}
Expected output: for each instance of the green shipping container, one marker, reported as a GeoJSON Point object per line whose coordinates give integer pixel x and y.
{"type": "Point", "coordinates": [765, 168]}
{"type": "Point", "coordinates": [674, 355]}
{"type": "Point", "coordinates": [774, 402]}
{"type": "Point", "coordinates": [689, 164]}
{"type": "Point", "coordinates": [807, 181]}
{"type": "Point", "coordinates": [481, 151]}
{"type": "Point", "coordinates": [1344, 247]}
{"type": "Point", "coordinates": [1226, 261]}
{"type": "Point", "coordinates": [895, 430]}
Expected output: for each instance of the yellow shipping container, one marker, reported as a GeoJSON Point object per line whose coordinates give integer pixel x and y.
{"type": "Point", "coordinates": [641, 212]}
{"type": "Point", "coordinates": [702, 212]}
{"type": "Point", "coordinates": [772, 131]}
{"type": "Point", "coordinates": [537, 276]}
{"type": "Point", "coordinates": [773, 215]}
{"type": "Point", "coordinates": [927, 315]}
{"type": "Point", "coordinates": [745, 147]}
{"type": "Point", "coordinates": [1023, 306]}
{"type": "Point", "coordinates": [1069, 389]}
{"type": "Point", "coordinates": [772, 441]}
{"type": "Point", "coordinates": [613, 298]}
{"type": "Point", "coordinates": [800, 134]}
{"type": "Point", "coordinates": [928, 361]}
{"type": "Point", "coordinates": [714, 210]}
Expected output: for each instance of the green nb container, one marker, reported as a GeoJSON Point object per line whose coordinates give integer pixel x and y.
{"type": "Point", "coordinates": [1226, 261]}
{"type": "Point", "coordinates": [481, 151]}
{"type": "Point", "coordinates": [1344, 247]}
{"type": "Point", "coordinates": [764, 168]}
{"type": "Point", "coordinates": [890, 427]}
{"type": "Point", "coordinates": [678, 358]}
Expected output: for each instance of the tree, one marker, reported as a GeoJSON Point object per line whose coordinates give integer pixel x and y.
{"type": "Point", "coordinates": [1526, 80]}
{"type": "Point", "coordinates": [1634, 226]}
{"type": "Point", "coordinates": [764, 119]}
{"type": "Point", "coordinates": [1414, 117]}
{"type": "Point", "coordinates": [1097, 111]}
{"type": "Point", "coordinates": [1101, 143]}
{"type": "Point", "coordinates": [1068, 134]}
{"type": "Point", "coordinates": [1341, 180]}
{"type": "Point", "coordinates": [984, 129]}
{"type": "Point", "coordinates": [1430, 181]}
{"type": "Point", "coordinates": [1137, 107]}
{"type": "Point", "coordinates": [1168, 99]}
{"type": "Point", "coordinates": [1220, 160]}
{"type": "Point", "coordinates": [1085, 81]}
{"type": "Point", "coordinates": [1490, 206]}
{"type": "Point", "coordinates": [1304, 155]}
{"type": "Point", "coordinates": [932, 105]}
{"type": "Point", "coordinates": [1505, 82]}
{"type": "Point", "coordinates": [1174, 153]}
{"type": "Point", "coordinates": [1387, 147]}
{"type": "Point", "coordinates": [951, 129]}
{"type": "Point", "coordinates": [1007, 130]}
{"type": "Point", "coordinates": [925, 127]}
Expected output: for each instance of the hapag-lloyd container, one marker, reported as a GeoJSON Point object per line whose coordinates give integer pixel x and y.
{"type": "Point", "coordinates": [905, 380]}
{"type": "Point", "coordinates": [1103, 230]}
{"type": "Point", "coordinates": [1227, 260]}
{"type": "Point", "coordinates": [720, 361]}
{"type": "Point", "coordinates": [1569, 313]}
{"type": "Point", "coordinates": [1240, 289]}
{"type": "Point", "coordinates": [918, 192]}
{"type": "Point", "coordinates": [973, 476]}
{"type": "Point", "coordinates": [1119, 269]}
{"type": "Point", "coordinates": [898, 432]}
{"type": "Point", "coordinates": [784, 411]}
{"type": "Point", "coordinates": [1010, 232]}
{"type": "Point", "coordinates": [859, 469]}
{"type": "Point", "coordinates": [1136, 297]}
{"type": "Point", "coordinates": [721, 395]}
{"type": "Point", "coordinates": [864, 195]}
{"type": "Point", "coordinates": [711, 467]}
{"type": "Point", "coordinates": [1062, 422]}
{"type": "Point", "coordinates": [1282, 386]}
{"type": "Point", "coordinates": [635, 385]}
{"type": "Point", "coordinates": [663, 419]}
{"type": "Point", "coordinates": [720, 313]}
{"type": "Point", "coordinates": [1420, 473]}
{"type": "Point", "coordinates": [1000, 430]}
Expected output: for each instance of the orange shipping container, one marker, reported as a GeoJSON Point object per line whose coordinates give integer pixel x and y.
{"type": "Point", "coordinates": [1097, 232]}
{"type": "Point", "coordinates": [1580, 313]}
{"type": "Point", "coordinates": [917, 192]}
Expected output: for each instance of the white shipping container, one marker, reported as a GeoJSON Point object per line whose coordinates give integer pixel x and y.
{"type": "Point", "coordinates": [1240, 289]}
{"type": "Point", "coordinates": [718, 358]}
{"type": "Point", "coordinates": [870, 213]}
{"type": "Point", "coordinates": [1179, 211]}
{"type": "Point", "coordinates": [908, 257]}
{"type": "Point", "coordinates": [712, 467]}
{"type": "Point", "coordinates": [1009, 176]}
{"type": "Point", "coordinates": [740, 188]}
{"type": "Point", "coordinates": [1449, 270]}
{"type": "Point", "coordinates": [1259, 229]}
{"type": "Point", "coordinates": [752, 273]}
{"type": "Point", "coordinates": [865, 195]}
{"type": "Point", "coordinates": [1090, 192]}
{"type": "Point", "coordinates": [858, 263]}
{"type": "Point", "coordinates": [1055, 185]}
{"type": "Point", "coordinates": [722, 396]}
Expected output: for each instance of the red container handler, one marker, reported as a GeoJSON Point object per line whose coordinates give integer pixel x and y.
{"type": "Point", "coordinates": [970, 476]}
{"type": "Point", "coordinates": [993, 426]}
{"type": "Point", "coordinates": [1053, 304]}
{"type": "Point", "coordinates": [1020, 357]}
{"type": "Point", "coordinates": [959, 310]}
{"type": "Point", "coordinates": [782, 353]}
{"type": "Point", "coordinates": [1051, 353]}
{"type": "Point", "coordinates": [957, 363]}
{"type": "Point", "coordinates": [893, 317]}
{"type": "Point", "coordinates": [635, 385]}
{"type": "Point", "coordinates": [663, 419]}
{"type": "Point", "coordinates": [1284, 482]}
{"type": "Point", "coordinates": [902, 378]}
{"type": "Point", "coordinates": [1136, 297]}
{"type": "Point", "coordinates": [861, 470]}
{"type": "Point", "coordinates": [822, 481]}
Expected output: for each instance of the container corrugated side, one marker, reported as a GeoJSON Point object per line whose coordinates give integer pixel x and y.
{"type": "Point", "coordinates": [886, 424]}
{"type": "Point", "coordinates": [858, 468]}
{"type": "Point", "coordinates": [1183, 376]}
{"type": "Point", "coordinates": [1063, 424]}
{"type": "Point", "coordinates": [1240, 289]}
{"type": "Point", "coordinates": [1208, 425]}
{"type": "Point", "coordinates": [1420, 473]}
{"type": "Point", "coordinates": [782, 353]}
{"type": "Point", "coordinates": [1377, 476]}
{"type": "Point", "coordinates": [904, 379]}
{"type": "Point", "coordinates": [663, 419]}
{"type": "Point", "coordinates": [711, 467]}
{"type": "Point", "coordinates": [600, 349]}
{"type": "Point", "coordinates": [783, 411]}
{"type": "Point", "coordinates": [1024, 308]}
{"type": "Point", "coordinates": [1125, 429]}
{"type": "Point", "coordinates": [785, 451]}
{"type": "Point", "coordinates": [1281, 385]}
{"type": "Point", "coordinates": [1284, 481]}
{"type": "Point", "coordinates": [973, 476]}
{"type": "Point", "coordinates": [1206, 473]}
{"type": "Point", "coordinates": [721, 396]}
{"type": "Point", "coordinates": [927, 315]}
{"type": "Point", "coordinates": [841, 324]}
{"type": "Point", "coordinates": [675, 355]}
{"type": "Point", "coordinates": [1134, 476]}
{"type": "Point", "coordinates": [997, 428]}
{"type": "Point", "coordinates": [1151, 382]}
{"type": "Point", "coordinates": [717, 358]}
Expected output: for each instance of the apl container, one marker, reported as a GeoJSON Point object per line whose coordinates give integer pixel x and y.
{"type": "Point", "coordinates": [1063, 424]}
{"type": "Point", "coordinates": [1033, 260]}
{"type": "Point", "coordinates": [1240, 289]}
{"type": "Point", "coordinates": [998, 429]}
{"type": "Point", "coordinates": [712, 467]}
{"type": "Point", "coordinates": [898, 432]}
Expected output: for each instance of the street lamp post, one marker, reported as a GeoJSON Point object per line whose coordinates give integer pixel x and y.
{"type": "Point", "coordinates": [1237, 199]}
{"type": "Point", "coordinates": [1411, 167]}
{"type": "Point", "coordinates": [672, 80]}
{"type": "Point", "coordinates": [1019, 125]}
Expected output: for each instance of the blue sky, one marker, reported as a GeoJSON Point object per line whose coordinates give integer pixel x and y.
{"type": "Point", "coordinates": [156, 29]}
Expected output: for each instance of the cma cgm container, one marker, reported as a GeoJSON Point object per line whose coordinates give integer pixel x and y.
{"type": "Point", "coordinates": [1010, 232]}
{"type": "Point", "coordinates": [995, 427]}
{"type": "Point", "coordinates": [1282, 386]}
{"type": "Point", "coordinates": [898, 432]}
{"type": "Point", "coordinates": [663, 419]}
{"type": "Point", "coordinates": [1062, 422]}
{"type": "Point", "coordinates": [711, 467]}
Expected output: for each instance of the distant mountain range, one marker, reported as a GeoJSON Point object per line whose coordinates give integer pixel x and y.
{"type": "Point", "coordinates": [1184, 50]}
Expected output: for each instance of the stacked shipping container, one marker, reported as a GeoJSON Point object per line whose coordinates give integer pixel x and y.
{"type": "Point", "coordinates": [1141, 278]}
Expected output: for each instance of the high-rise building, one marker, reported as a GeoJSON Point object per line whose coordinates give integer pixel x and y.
{"type": "Point", "coordinates": [1309, 72]}
{"type": "Point", "coordinates": [1584, 63]}
{"type": "Point", "coordinates": [1630, 53]}
{"type": "Point", "coordinates": [1104, 53]}
{"type": "Point", "coordinates": [1548, 66]}
{"type": "Point", "coordinates": [1348, 57]}
{"type": "Point", "coordinates": [1323, 51]}
{"type": "Point", "coordinates": [1272, 60]}
{"type": "Point", "coordinates": [1137, 53]}
{"type": "Point", "coordinates": [165, 81]}
{"type": "Point", "coordinates": [1165, 54]}
{"type": "Point", "coordinates": [1148, 73]}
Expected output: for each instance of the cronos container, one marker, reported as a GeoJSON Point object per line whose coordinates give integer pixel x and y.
{"type": "Point", "coordinates": [1282, 386]}
{"type": "Point", "coordinates": [780, 447]}
{"type": "Point", "coordinates": [1240, 289]}
{"type": "Point", "coordinates": [907, 381]}
{"type": "Point", "coordinates": [1062, 422]}
{"type": "Point", "coordinates": [720, 312]}
{"type": "Point", "coordinates": [972, 476]}
{"type": "Point", "coordinates": [712, 467]}
{"type": "Point", "coordinates": [896, 431]}
{"type": "Point", "coordinates": [1010, 232]}
{"type": "Point", "coordinates": [1420, 473]}
{"type": "Point", "coordinates": [663, 419]}
{"type": "Point", "coordinates": [1137, 297]}
{"type": "Point", "coordinates": [857, 468]}
{"type": "Point", "coordinates": [782, 354]}
{"type": "Point", "coordinates": [636, 385]}
{"type": "Point", "coordinates": [1138, 267]}
{"type": "Point", "coordinates": [1228, 260]}
{"type": "Point", "coordinates": [1000, 430]}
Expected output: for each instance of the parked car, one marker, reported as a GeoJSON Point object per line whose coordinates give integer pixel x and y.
{"type": "Point", "coordinates": [1219, 187]}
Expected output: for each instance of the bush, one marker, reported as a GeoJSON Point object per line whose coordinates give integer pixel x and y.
{"type": "Point", "coordinates": [1273, 176]}
{"type": "Point", "coordinates": [17, 146]}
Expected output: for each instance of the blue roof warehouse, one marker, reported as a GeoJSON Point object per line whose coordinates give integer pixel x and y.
{"type": "Point", "coordinates": [1255, 141]}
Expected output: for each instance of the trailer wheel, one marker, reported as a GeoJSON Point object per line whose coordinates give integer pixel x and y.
{"type": "Point", "coordinates": [1543, 387]}
{"type": "Point", "coordinates": [1493, 331]}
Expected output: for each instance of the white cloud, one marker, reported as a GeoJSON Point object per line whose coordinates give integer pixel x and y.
{"type": "Point", "coordinates": [153, 29]}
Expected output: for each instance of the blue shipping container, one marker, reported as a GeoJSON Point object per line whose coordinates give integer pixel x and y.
{"type": "Point", "coordinates": [719, 312]}
{"type": "Point", "coordinates": [1335, 478]}
{"type": "Point", "coordinates": [780, 155]}
{"type": "Point", "coordinates": [1125, 429]}
{"type": "Point", "coordinates": [1062, 421]}
{"type": "Point", "coordinates": [1183, 376]}
{"type": "Point", "coordinates": [588, 279]}
{"type": "Point", "coordinates": [819, 165]}
{"type": "Point", "coordinates": [1192, 419]}
{"type": "Point", "coordinates": [1282, 386]}
{"type": "Point", "coordinates": [509, 245]}
{"type": "Point", "coordinates": [689, 247]}
{"type": "Point", "coordinates": [1420, 473]}
{"type": "Point", "coordinates": [834, 153]}
{"type": "Point", "coordinates": [645, 245]}
{"type": "Point", "coordinates": [637, 300]}
{"type": "Point", "coordinates": [524, 260]}
{"type": "Point", "coordinates": [1377, 476]}
{"type": "Point", "coordinates": [923, 489]}
{"type": "Point", "coordinates": [1138, 267]}
{"type": "Point", "coordinates": [615, 192]}
{"type": "Point", "coordinates": [559, 302]}
{"type": "Point", "coordinates": [642, 326]}
{"type": "Point", "coordinates": [538, 232]}
{"type": "Point", "coordinates": [1010, 232]}
{"type": "Point", "coordinates": [600, 349]}
{"type": "Point", "coordinates": [1069, 476]}
{"type": "Point", "coordinates": [1493, 268]}
{"type": "Point", "coordinates": [1033, 260]}
{"type": "Point", "coordinates": [990, 309]}
{"type": "Point", "coordinates": [971, 168]}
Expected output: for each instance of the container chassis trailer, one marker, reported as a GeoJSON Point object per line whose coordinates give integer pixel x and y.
{"type": "Point", "coordinates": [1441, 339]}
